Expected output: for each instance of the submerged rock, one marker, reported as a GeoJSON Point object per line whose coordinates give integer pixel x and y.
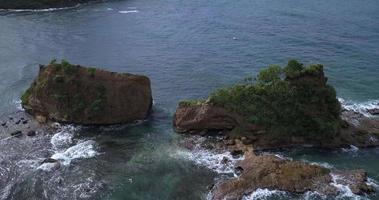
{"type": "Point", "coordinates": [75, 94]}
{"type": "Point", "coordinates": [16, 133]}
{"type": "Point", "coordinates": [31, 133]}
{"type": "Point", "coordinates": [39, 4]}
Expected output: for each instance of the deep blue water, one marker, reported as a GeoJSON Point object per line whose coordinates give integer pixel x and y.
{"type": "Point", "coordinates": [188, 49]}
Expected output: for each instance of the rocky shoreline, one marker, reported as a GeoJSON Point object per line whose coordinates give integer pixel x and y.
{"type": "Point", "coordinates": [40, 4]}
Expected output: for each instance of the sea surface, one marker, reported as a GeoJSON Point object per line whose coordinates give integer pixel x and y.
{"type": "Point", "coordinates": [188, 49]}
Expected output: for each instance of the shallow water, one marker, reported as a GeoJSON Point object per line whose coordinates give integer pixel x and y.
{"type": "Point", "coordinates": [187, 48]}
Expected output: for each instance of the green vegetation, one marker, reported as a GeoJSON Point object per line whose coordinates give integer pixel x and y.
{"type": "Point", "coordinates": [98, 104]}
{"type": "Point", "coordinates": [65, 66]}
{"type": "Point", "coordinates": [191, 102]}
{"type": "Point", "coordinates": [25, 96]}
{"type": "Point", "coordinates": [294, 100]}
{"type": "Point", "coordinates": [91, 71]}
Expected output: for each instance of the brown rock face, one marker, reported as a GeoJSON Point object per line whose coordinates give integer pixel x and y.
{"type": "Point", "coordinates": [268, 171]}
{"type": "Point", "coordinates": [272, 172]}
{"type": "Point", "coordinates": [204, 117]}
{"type": "Point", "coordinates": [75, 94]}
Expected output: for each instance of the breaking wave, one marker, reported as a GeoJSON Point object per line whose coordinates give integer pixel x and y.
{"type": "Point", "coordinates": [221, 162]}
{"type": "Point", "coordinates": [67, 149]}
{"type": "Point", "coordinates": [260, 194]}
{"type": "Point", "coordinates": [359, 107]}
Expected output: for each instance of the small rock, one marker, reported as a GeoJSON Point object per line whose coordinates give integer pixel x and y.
{"type": "Point", "coordinates": [22, 118]}
{"type": "Point", "coordinates": [16, 133]}
{"type": "Point", "coordinates": [4, 123]}
{"type": "Point", "coordinates": [49, 160]}
{"type": "Point", "coordinates": [236, 153]}
{"type": "Point", "coordinates": [31, 133]}
{"type": "Point", "coordinates": [238, 170]}
{"type": "Point", "coordinates": [374, 111]}
{"type": "Point", "coordinates": [10, 118]}
{"type": "Point", "coordinates": [25, 122]}
{"type": "Point", "coordinates": [225, 160]}
{"type": "Point", "coordinates": [18, 122]}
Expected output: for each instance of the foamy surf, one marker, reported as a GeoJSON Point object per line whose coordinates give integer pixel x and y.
{"type": "Point", "coordinates": [265, 193]}
{"type": "Point", "coordinates": [66, 149]}
{"type": "Point", "coordinates": [344, 190]}
{"type": "Point", "coordinates": [127, 11]}
{"type": "Point", "coordinates": [359, 107]}
{"type": "Point", "coordinates": [351, 149]}
{"type": "Point", "coordinates": [220, 162]}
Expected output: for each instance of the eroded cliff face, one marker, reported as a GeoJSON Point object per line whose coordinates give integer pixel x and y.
{"type": "Point", "coordinates": [39, 4]}
{"type": "Point", "coordinates": [75, 94]}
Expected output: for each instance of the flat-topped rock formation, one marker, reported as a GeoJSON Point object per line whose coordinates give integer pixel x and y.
{"type": "Point", "coordinates": [74, 94]}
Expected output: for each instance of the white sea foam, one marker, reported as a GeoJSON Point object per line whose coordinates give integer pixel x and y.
{"type": "Point", "coordinates": [48, 166]}
{"type": "Point", "coordinates": [62, 139]}
{"type": "Point", "coordinates": [373, 183]}
{"type": "Point", "coordinates": [359, 107]}
{"type": "Point", "coordinates": [220, 162]}
{"type": "Point", "coordinates": [127, 11]}
{"type": "Point", "coordinates": [261, 194]}
{"type": "Point", "coordinates": [344, 190]}
{"type": "Point", "coordinates": [18, 104]}
{"type": "Point", "coordinates": [310, 195]}
{"type": "Point", "coordinates": [84, 149]}
{"type": "Point", "coordinates": [67, 149]}
{"type": "Point", "coordinates": [321, 164]}
{"type": "Point", "coordinates": [352, 148]}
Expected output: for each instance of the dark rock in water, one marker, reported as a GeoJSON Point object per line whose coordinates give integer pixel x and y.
{"type": "Point", "coordinates": [25, 122]}
{"type": "Point", "coordinates": [31, 133]}
{"type": "Point", "coordinates": [75, 94]}
{"type": "Point", "coordinates": [236, 153]}
{"type": "Point", "coordinates": [16, 133]}
{"type": "Point", "coordinates": [4, 123]}
{"type": "Point", "coordinates": [269, 171]}
{"type": "Point", "coordinates": [49, 160]}
{"type": "Point", "coordinates": [225, 160]}
{"type": "Point", "coordinates": [39, 4]}
{"type": "Point", "coordinates": [11, 118]}
{"type": "Point", "coordinates": [374, 111]}
{"type": "Point", "coordinates": [18, 122]}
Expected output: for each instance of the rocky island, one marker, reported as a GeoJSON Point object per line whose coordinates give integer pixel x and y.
{"type": "Point", "coordinates": [283, 107]}
{"type": "Point", "coordinates": [39, 4]}
{"type": "Point", "coordinates": [68, 93]}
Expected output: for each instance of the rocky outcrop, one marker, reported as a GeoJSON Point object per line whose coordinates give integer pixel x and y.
{"type": "Point", "coordinates": [356, 129]}
{"type": "Point", "coordinates": [75, 94]}
{"type": "Point", "coordinates": [269, 171]}
{"type": "Point", "coordinates": [203, 118]}
{"type": "Point", "coordinates": [39, 4]}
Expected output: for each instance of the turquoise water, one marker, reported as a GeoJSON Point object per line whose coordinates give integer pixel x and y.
{"type": "Point", "coordinates": [188, 49]}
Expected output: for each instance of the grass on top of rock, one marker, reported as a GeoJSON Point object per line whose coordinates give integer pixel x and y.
{"type": "Point", "coordinates": [191, 102]}
{"type": "Point", "coordinates": [65, 66]}
{"type": "Point", "coordinates": [294, 100]}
